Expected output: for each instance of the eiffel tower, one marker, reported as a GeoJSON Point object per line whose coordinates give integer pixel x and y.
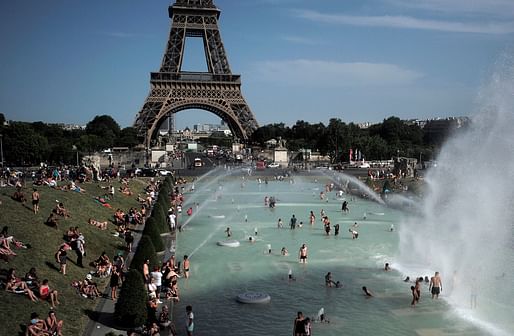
{"type": "Point", "coordinates": [173, 90]}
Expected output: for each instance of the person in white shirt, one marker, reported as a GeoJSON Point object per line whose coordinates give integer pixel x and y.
{"type": "Point", "coordinates": [157, 280]}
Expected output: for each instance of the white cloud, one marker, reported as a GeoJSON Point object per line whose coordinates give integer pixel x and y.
{"type": "Point", "coordinates": [407, 22]}
{"type": "Point", "coordinates": [317, 73]}
{"type": "Point", "coordinates": [499, 8]}
{"type": "Point", "coordinates": [301, 40]}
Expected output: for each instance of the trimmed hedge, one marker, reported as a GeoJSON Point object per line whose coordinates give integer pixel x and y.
{"type": "Point", "coordinates": [145, 250]}
{"type": "Point", "coordinates": [159, 214]}
{"type": "Point", "coordinates": [152, 230]}
{"type": "Point", "coordinates": [130, 309]}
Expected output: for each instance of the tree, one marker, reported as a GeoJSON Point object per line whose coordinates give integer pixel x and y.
{"type": "Point", "coordinates": [130, 309]}
{"type": "Point", "coordinates": [2, 119]}
{"type": "Point", "coordinates": [145, 250]}
{"type": "Point", "coordinates": [128, 138]}
{"type": "Point", "coordinates": [104, 127]}
{"type": "Point", "coordinates": [154, 233]}
{"type": "Point", "coordinates": [22, 145]}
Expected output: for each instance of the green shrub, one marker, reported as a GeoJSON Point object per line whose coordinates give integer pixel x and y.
{"type": "Point", "coordinates": [153, 231]}
{"type": "Point", "coordinates": [159, 214]}
{"type": "Point", "coordinates": [145, 250]}
{"type": "Point", "coordinates": [130, 310]}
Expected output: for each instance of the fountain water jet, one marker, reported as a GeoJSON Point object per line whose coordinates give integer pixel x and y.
{"type": "Point", "coordinates": [466, 231]}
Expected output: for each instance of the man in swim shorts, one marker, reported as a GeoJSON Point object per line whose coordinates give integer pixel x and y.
{"type": "Point", "coordinates": [303, 254]}
{"type": "Point", "coordinates": [35, 201]}
{"type": "Point", "coordinates": [436, 285]}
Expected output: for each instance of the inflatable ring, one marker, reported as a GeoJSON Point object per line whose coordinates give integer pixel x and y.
{"type": "Point", "coordinates": [253, 297]}
{"type": "Point", "coordinates": [229, 243]}
{"type": "Point", "coordinates": [218, 216]}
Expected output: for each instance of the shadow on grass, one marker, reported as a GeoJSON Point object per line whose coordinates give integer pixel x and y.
{"type": "Point", "coordinates": [52, 266]}
{"type": "Point", "coordinates": [23, 330]}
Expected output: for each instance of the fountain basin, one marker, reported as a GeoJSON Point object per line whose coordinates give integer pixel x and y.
{"type": "Point", "coordinates": [253, 298]}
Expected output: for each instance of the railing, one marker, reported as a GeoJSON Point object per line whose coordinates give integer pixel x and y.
{"type": "Point", "coordinates": [194, 77]}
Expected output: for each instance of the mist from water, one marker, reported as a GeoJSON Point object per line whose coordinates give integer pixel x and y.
{"type": "Point", "coordinates": [466, 229]}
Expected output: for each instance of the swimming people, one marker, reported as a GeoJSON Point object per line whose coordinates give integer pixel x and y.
{"type": "Point", "coordinates": [354, 233]}
{"type": "Point", "coordinates": [328, 280]}
{"type": "Point", "coordinates": [367, 292]}
{"type": "Point", "coordinates": [387, 268]}
{"type": "Point", "coordinates": [284, 251]}
{"type": "Point", "coordinates": [290, 275]}
{"type": "Point", "coordinates": [228, 232]}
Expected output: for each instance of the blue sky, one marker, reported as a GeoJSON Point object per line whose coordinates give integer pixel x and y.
{"type": "Point", "coordinates": [362, 60]}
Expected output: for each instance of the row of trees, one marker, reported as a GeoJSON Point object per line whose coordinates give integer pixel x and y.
{"type": "Point", "coordinates": [377, 142]}
{"type": "Point", "coordinates": [31, 143]}
{"type": "Point", "coordinates": [130, 309]}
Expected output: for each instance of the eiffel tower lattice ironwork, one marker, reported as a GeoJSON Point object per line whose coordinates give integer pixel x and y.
{"type": "Point", "coordinates": [217, 90]}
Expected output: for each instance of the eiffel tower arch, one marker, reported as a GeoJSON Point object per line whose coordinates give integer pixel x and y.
{"type": "Point", "coordinates": [217, 90]}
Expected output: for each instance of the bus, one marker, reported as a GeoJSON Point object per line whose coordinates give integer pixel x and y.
{"type": "Point", "coordinates": [261, 165]}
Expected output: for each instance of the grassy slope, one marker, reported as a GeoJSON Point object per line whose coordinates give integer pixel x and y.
{"type": "Point", "coordinates": [30, 228]}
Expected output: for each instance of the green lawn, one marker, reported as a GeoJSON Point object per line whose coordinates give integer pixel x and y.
{"type": "Point", "coordinates": [30, 228]}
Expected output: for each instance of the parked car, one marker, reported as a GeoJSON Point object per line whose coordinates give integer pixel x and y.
{"type": "Point", "coordinates": [148, 172]}
{"type": "Point", "coordinates": [164, 172]}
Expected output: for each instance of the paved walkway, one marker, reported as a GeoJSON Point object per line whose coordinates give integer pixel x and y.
{"type": "Point", "coordinates": [101, 321]}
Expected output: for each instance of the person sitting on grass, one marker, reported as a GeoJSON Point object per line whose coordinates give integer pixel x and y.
{"type": "Point", "coordinates": [37, 326]}
{"type": "Point", "coordinates": [98, 224]}
{"type": "Point", "coordinates": [5, 247]}
{"type": "Point", "coordinates": [103, 265]}
{"type": "Point", "coordinates": [89, 288]}
{"type": "Point", "coordinates": [47, 294]}
{"type": "Point", "coordinates": [16, 285]}
{"type": "Point", "coordinates": [119, 217]}
{"type": "Point", "coordinates": [31, 278]}
{"type": "Point", "coordinates": [61, 210]}
{"type": "Point", "coordinates": [53, 324]}
{"type": "Point", "coordinates": [52, 220]}
{"type": "Point", "coordinates": [126, 190]}
{"type": "Point", "coordinates": [19, 196]}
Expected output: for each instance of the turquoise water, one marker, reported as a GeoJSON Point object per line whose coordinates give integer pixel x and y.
{"type": "Point", "coordinates": [218, 274]}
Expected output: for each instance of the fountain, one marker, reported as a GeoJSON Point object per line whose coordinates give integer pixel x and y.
{"type": "Point", "coordinates": [466, 229]}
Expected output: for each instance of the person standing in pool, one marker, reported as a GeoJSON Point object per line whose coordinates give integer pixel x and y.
{"type": "Point", "coordinates": [280, 224]}
{"type": "Point", "coordinates": [299, 325]}
{"type": "Point", "coordinates": [189, 321]}
{"type": "Point", "coordinates": [336, 229]}
{"type": "Point", "coordinates": [326, 223]}
{"type": "Point", "coordinates": [303, 254]}
{"type": "Point", "coordinates": [312, 218]}
{"type": "Point", "coordinates": [344, 207]}
{"type": "Point", "coordinates": [417, 287]}
{"type": "Point", "coordinates": [185, 265]}
{"type": "Point", "coordinates": [415, 297]}
{"type": "Point", "coordinates": [436, 285]}
{"type": "Point", "coordinates": [228, 232]}
{"type": "Point", "coordinates": [292, 222]}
